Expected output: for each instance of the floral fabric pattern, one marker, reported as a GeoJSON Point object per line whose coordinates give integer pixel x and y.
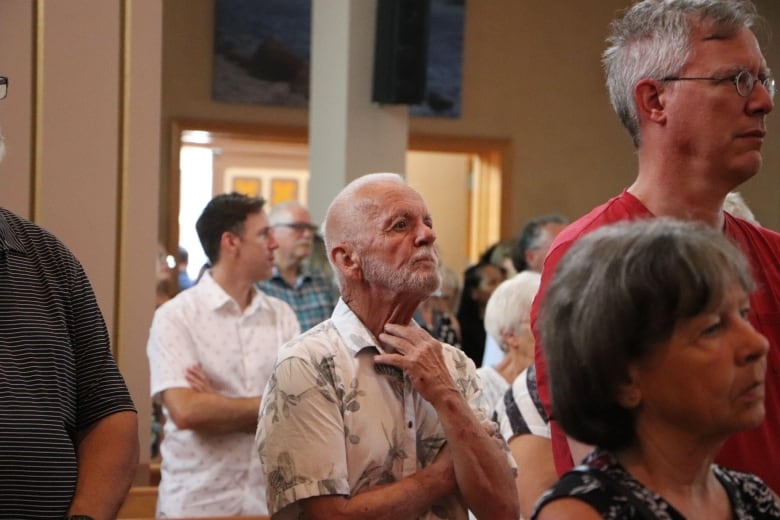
{"type": "Point", "coordinates": [333, 422]}
{"type": "Point", "coordinates": [750, 498]}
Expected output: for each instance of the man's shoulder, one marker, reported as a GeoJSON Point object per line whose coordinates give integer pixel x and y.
{"type": "Point", "coordinates": [31, 236]}
{"type": "Point", "coordinates": [322, 339]}
{"type": "Point", "coordinates": [752, 234]}
{"type": "Point", "coordinates": [617, 209]}
{"type": "Point", "coordinates": [274, 302]}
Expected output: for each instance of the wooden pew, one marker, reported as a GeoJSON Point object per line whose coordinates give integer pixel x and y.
{"type": "Point", "coordinates": [141, 502]}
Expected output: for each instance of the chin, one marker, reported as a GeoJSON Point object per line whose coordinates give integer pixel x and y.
{"type": "Point", "coordinates": [751, 418]}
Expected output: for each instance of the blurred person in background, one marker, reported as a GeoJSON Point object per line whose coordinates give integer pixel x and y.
{"type": "Point", "coordinates": [310, 293]}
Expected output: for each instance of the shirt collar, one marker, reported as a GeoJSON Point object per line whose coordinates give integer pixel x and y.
{"type": "Point", "coordinates": [355, 335]}
{"type": "Point", "coordinates": [304, 274]}
{"type": "Point", "coordinates": [220, 299]}
{"type": "Point", "coordinates": [8, 239]}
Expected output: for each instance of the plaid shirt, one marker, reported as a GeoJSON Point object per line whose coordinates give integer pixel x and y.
{"type": "Point", "coordinates": [313, 297]}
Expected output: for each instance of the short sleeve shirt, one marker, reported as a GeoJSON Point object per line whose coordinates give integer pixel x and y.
{"type": "Point", "coordinates": [520, 410]}
{"type": "Point", "coordinates": [753, 451]}
{"type": "Point", "coordinates": [493, 386]}
{"type": "Point", "coordinates": [202, 474]}
{"type": "Point", "coordinates": [57, 373]}
{"type": "Point", "coordinates": [312, 298]}
{"type": "Point", "coordinates": [332, 423]}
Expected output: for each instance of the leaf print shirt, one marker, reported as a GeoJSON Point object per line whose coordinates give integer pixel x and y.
{"type": "Point", "coordinates": [333, 423]}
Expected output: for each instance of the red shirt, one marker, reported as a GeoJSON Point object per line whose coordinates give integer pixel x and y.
{"type": "Point", "coordinates": [755, 451]}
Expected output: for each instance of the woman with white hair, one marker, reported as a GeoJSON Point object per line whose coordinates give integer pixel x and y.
{"type": "Point", "coordinates": [507, 321]}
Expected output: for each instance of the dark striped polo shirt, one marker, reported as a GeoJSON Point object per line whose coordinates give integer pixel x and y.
{"type": "Point", "coordinates": [57, 373]}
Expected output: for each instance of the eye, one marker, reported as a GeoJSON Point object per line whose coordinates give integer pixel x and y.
{"type": "Point", "coordinates": [745, 312]}
{"type": "Point", "coordinates": [713, 327]}
{"type": "Point", "coordinates": [400, 224]}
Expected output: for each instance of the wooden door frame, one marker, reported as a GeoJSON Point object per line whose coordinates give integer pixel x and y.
{"type": "Point", "coordinates": [495, 152]}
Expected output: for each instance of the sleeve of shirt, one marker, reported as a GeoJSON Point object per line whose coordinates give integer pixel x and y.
{"type": "Point", "coordinates": [100, 387]}
{"type": "Point", "coordinates": [300, 403]}
{"type": "Point", "coordinates": [550, 265]}
{"type": "Point", "coordinates": [561, 453]}
{"type": "Point", "coordinates": [169, 350]}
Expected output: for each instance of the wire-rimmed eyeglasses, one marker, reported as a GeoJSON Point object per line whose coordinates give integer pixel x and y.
{"type": "Point", "coordinates": [3, 87]}
{"type": "Point", "coordinates": [743, 81]}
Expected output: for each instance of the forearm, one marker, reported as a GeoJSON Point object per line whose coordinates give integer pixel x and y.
{"type": "Point", "coordinates": [107, 459]}
{"type": "Point", "coordinates": [482, 470]}
{"type": "Point", "coordinates": [212, 413]}
{"type": "Point", "coordinates": [409, 497]}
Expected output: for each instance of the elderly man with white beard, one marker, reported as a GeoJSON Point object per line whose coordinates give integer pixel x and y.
{"type": "Point", "coordinates": [366, 415]}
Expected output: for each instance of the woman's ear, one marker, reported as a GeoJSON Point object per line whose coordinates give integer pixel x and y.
{"type": "Point", "coordinates": [509, 340]}
{"type": "Point", "coordinates": [629, 394]}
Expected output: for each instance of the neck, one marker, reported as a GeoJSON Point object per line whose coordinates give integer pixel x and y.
{"type": "Point", "coordinates": [676, 465]}
{"type": "Point", "coordinates": [686, 192]}
{"type": "Point", "coordinates": [376, 307]}
{"type": "Point", "coordinates": [240, 290]}
{"type": "Point", "coordinates": [512, 364]}
{"type": "Point", "coordinates": [289, 269]}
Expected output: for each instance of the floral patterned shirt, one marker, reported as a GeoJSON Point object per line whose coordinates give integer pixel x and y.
{"type": "Point", "coordinates": [617, 495]}
{"type": "Point", "coordinates": [333, 423]}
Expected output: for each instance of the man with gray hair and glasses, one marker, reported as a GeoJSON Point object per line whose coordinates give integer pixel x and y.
{"type": "Point", "coordinates": [310, 293]}
{"type": "Point", "coordinates": [689, 81]}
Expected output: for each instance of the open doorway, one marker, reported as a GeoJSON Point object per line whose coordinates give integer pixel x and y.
{"type": "Point", "coordinates": [460, 179]}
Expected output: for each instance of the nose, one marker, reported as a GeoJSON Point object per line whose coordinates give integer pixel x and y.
{"type": "Point", "coordinates": [760, 100]}
{"type": "Point", "coordinates": [425, 235]}
{"type": "Point", "coordinates": [753, 345]}
{"type": "Point", "coordinates": [271, 242]}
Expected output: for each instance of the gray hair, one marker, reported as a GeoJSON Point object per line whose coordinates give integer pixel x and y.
{"type": "Point", "coordinates": [653, 40]}
{"type": "Point", "coordinates": [616, 297]}
{"type": "Point", "coordinates": [509, 307]}
{"type": "Point", "coordinates": [281, 212]}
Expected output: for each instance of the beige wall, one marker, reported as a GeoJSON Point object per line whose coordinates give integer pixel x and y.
{"type": "Point", "coordinates": [531, 74]}
{"type": "Point", "coordinates": [82, 123]}
{"type": "Point", "coordinates": [436, 174]}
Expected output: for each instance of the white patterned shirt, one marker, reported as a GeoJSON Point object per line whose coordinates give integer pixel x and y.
{"type": "Point", "coordinates": [206, 474]}
{"type": "Point", "coordinates": [332, 424]}
{"type": "Point", "coordinates": [493, 386]}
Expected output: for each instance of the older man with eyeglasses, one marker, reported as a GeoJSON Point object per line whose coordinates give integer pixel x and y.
{"type": "Point", "coordinates": [310, 293]}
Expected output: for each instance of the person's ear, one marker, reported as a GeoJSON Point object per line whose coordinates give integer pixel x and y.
{"type": "Point", "coordinates": [510, 340]}
{"type": "Point", "coordinates": [228, 243]}
{"type": "Point", "coordinates": [630, 393]}
{"type": "Point", "coordinates": [346, 261]}
{"type": "Point", "coordinates": [649, 100]}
